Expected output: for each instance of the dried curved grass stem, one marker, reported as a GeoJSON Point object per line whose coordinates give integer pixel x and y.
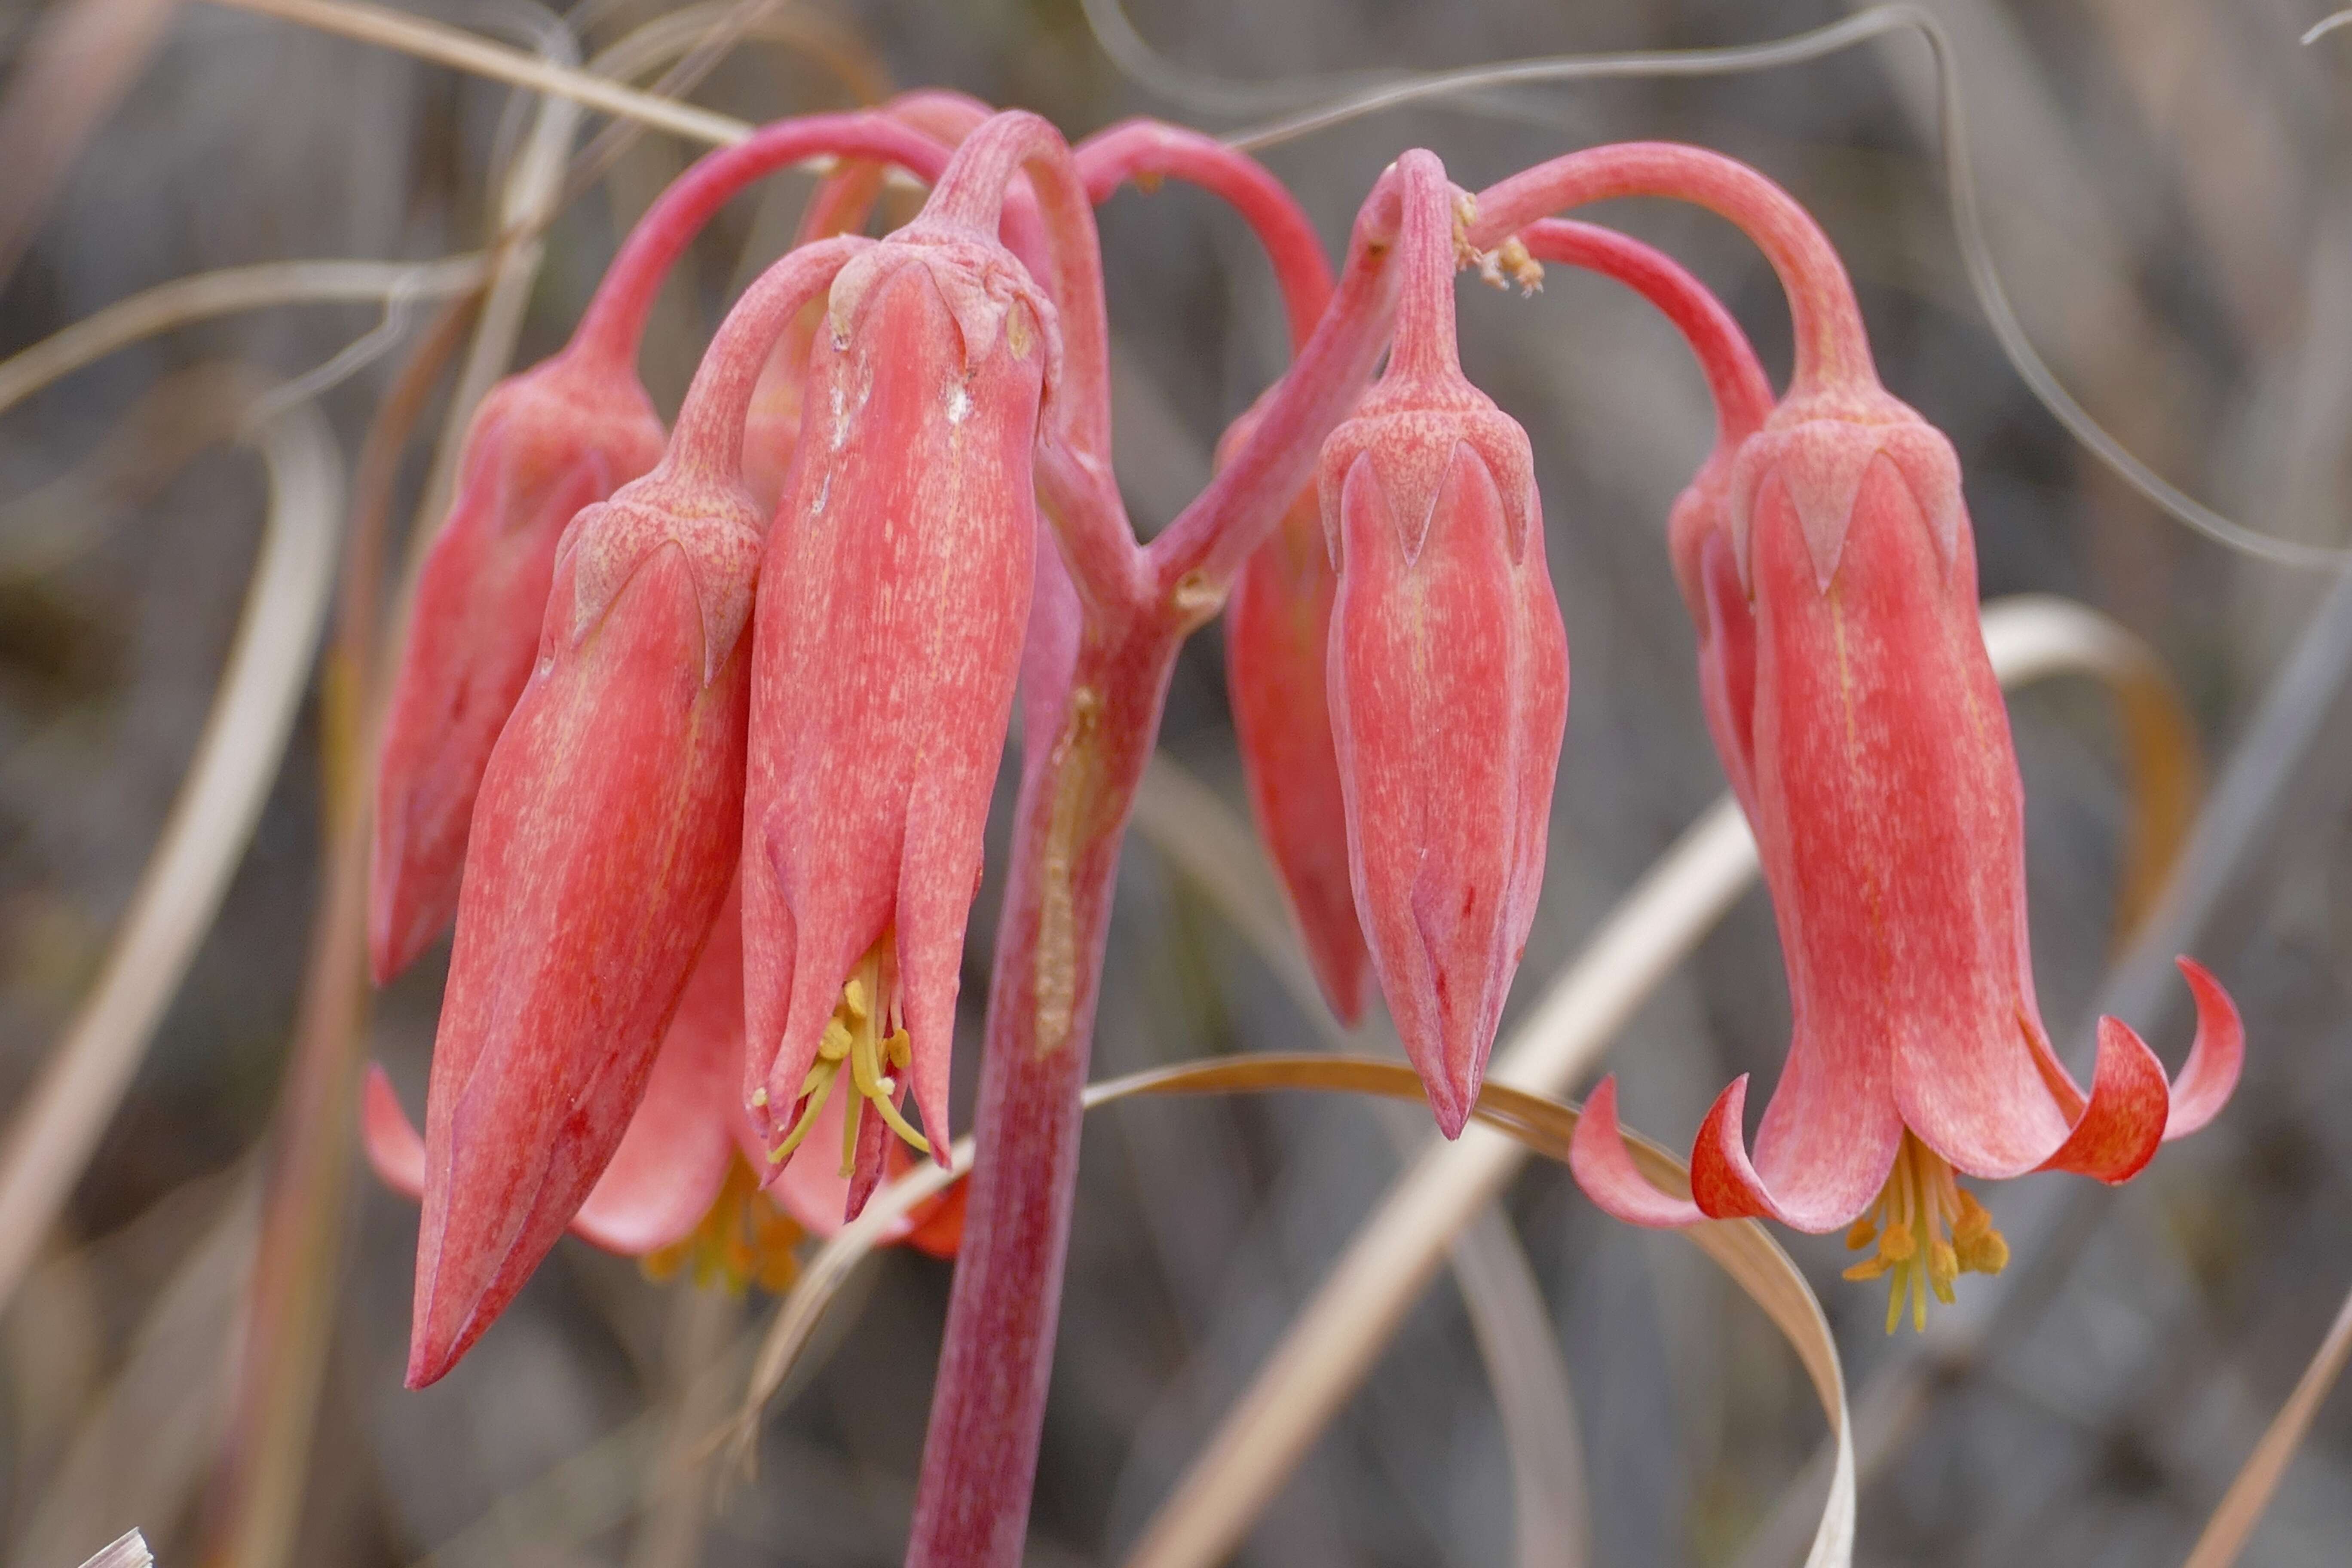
{"type": "Point", "coordinates": [1122, 43]}
{"type": "Point", "coordinates": [1333, 1342]}
{"type": "Point", "coordinates": [1528, 1122]}
{"type": "Point", "coordinates": [464, 51]}
{"type": "Point", "coordinates": [1526, 1370]}
{"type": "Point", "coordinates": [58, 1123]}
{"type": "Point", "coordinates": [2241, 1506]}
{"type": "Point", "coordinates": [222, 293]}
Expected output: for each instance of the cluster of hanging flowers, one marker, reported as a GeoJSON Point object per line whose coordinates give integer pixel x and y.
{"type": "Point", "coordinates": [695, 731]}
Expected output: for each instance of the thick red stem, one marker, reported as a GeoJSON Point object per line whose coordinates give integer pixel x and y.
{"type": "Point", "coordinates": [1833, 351]}
{"type": "Point", "coordinates": [1743, 396]}
{"type": "Point", "coordinates": [988, 1407]}
{"type": "Point", "coordinates": [1147, 149]}
{"type": "Point", "coordinates": [1196, 555]}
{"type": "Point", "coordinates": [615, 321]}
{"type": "Point", "coordinates": [971, 194]}
{"type": "Point", "coordinates": [709, 439]}
{"type": "Point", "coordinates": [1426, 358]}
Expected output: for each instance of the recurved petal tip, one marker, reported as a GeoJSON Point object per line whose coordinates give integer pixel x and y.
{"type": "Point", "coordinates": [2210, 1075]}
{"type": "Point", "coordinates": [1603, 1167]}
{"type": "Point", "coordinates": [395, 1152]}
{"type": "Point", "coordinates": [2120, 1128]}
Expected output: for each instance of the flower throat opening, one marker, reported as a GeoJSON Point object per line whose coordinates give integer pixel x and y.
{"type": "Point", "coordinates": [1928, 1230]}
{"type": "Point", "coordinates": [868, 1033]}
{"type": "Point", "coordinates": [744, 1240]}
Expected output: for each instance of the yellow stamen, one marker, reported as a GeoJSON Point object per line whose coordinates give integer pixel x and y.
{"type": "Point", "coordinates": [744, 1239]}
{"type": "Point", "coordinates": [1928, 1232]}
{"type": "Point", "coordinates": [859, 1035]}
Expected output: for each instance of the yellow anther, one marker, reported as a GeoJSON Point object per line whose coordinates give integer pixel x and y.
{"type": "Point", "coordinates": [1986, 1254]}
{"type": "Point", "coordinates": [759, 1097]}
{"type": "Point", "coordinates": [1928, 1232]}
{"type": "Point", "coordinates": [859, 1035]}
{"type": "Point", "coordinates": [743, 1239]}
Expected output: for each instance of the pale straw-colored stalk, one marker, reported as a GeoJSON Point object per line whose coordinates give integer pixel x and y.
{"type": "Point", "coordinates": [227, 292]}
{"type": "Point", "coordinates": [1526, 1369]}
{"type": "Point", "coordinates": [1334, 1341]}
{"type": "Point", "coordinates": [469, 52]}
{"type": "Point", "coordinates": [529, 200]}
{"type": "Point", "coordinates": [127, 1550]}
{"type": "Point", "coordinates": [2242, 1506]}
{"type": "Point", "coordinates": [56, 1124]}
{"type": "Point", "coordinates": [1527, 1122]}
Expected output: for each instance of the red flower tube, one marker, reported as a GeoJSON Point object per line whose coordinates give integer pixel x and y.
{"type": "Point", "coordinates": [1448, 671]}
{"type": "Point", "coordinates": [893, 602]}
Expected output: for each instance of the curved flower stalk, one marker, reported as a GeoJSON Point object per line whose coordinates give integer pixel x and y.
{"type": "Point", "coordinates": [545, 443]}
{"type": "Point", "coordinates": [841, 204]}
{"type": "Point", "coordinates": [602, 844]}
{"type": "Point", "coordinates": [1832, 572]}
{"type": "Point", "coordinates": [1448, 670]}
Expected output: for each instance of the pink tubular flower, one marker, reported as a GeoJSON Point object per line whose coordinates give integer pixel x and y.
{"type": "Point", "coordinates": [1831, 572]}
{"type": "Point", "coordinates": [604, 841]}
{"type": "Point", "coordinates": [601, 846]}
{"type": "Point", "coordinates": [893, 601]}
{"type": "Point", "coordinates": [1448, 671]}
{"type": "Point", "coordinates": [543, 445]}
{"type": "Point", "coordinates": [1277, 643]}
{"type": "Point", "coordinates": [679, 1190]}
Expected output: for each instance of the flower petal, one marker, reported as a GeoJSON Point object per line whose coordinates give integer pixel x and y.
{"type": "Point", "coordinates": [2210, 1074]}
{"type": "Point", "coordinates": [1597, 1157]}
{"type": "Point", "coordinates": [1834, 1154]}
{"type": "Point", "coordinates": [395, 1151]}
{"type": "Point", "coordinates": [2123, 1123]}
{"type": "Point", "coordinates": [673, 1159]}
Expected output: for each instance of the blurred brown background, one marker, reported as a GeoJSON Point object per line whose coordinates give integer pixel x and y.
{"type": "Point", "coordinates": [2165, 186]}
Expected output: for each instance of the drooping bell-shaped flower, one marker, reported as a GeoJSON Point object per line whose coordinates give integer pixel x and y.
{"type": "Point", "coordinates": [682, 1190]}
{"type": "Point", "coordinates": [1278, 659]}
{"type": "Point", "coordinates": [603, 843]}
{"type": "Point", "coordinates": [1861, 721]}
{"type": "Point", "coordinates": [544, 443]}
{"type": "Point", "coordinates": [1448, 672]}
{"type": "Point", "coordinates": [893, 600]}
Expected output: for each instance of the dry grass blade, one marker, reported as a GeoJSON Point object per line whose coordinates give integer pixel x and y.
{"type": "Point", "coordinates": [1742, 1248]}
{"type": "Point", "coordinates": [804, 32]}
{"type": "Point", "coordinates": [464, 51]}
{"type": "Point", "coordinates": [142, 1448]}
{"type": "Point", "coordinates": [2242, 1506]}
{"type": "Point", "coordinates": [224, 293]}
{"type": "Point", "coordinates": [532, 193]}
{"type": "Point", "coordinates": [127, 1550]}
{"type": "Point", "coordinates": [58, 1123]}
{"type": "Point", "coordinates": [1335, 1340]}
